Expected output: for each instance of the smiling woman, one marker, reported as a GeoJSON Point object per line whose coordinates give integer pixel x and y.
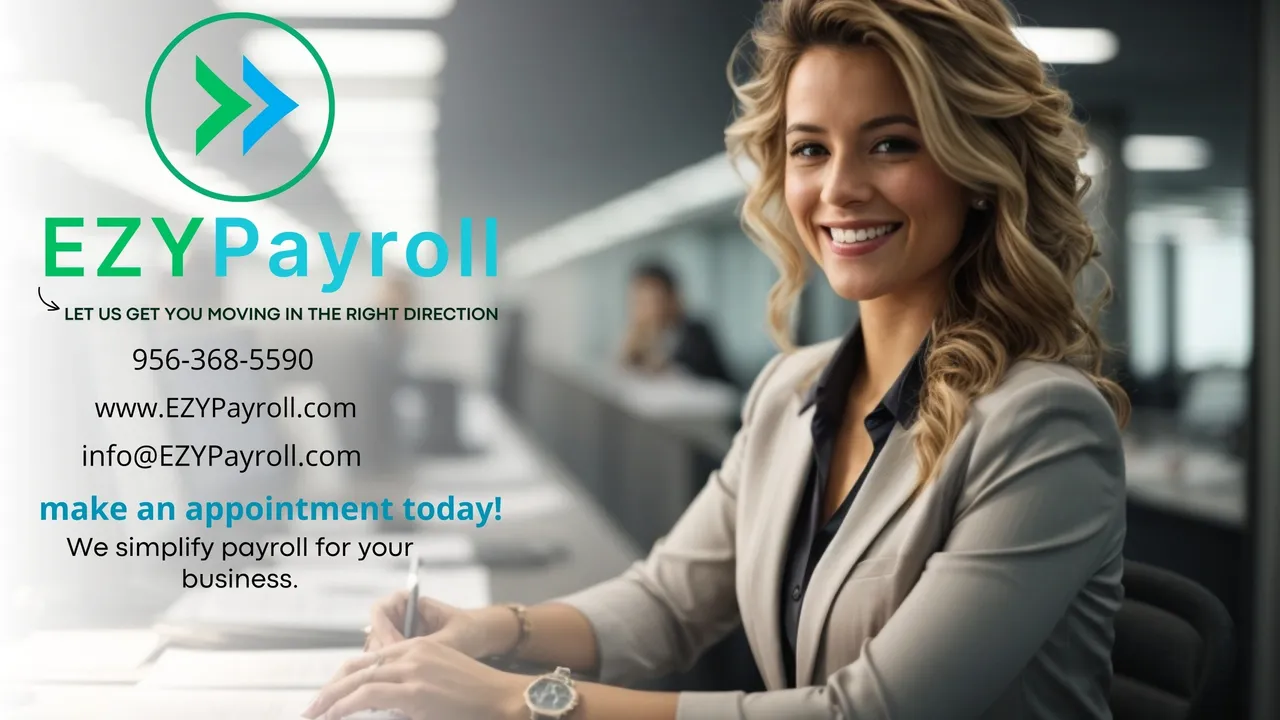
{"type": "Point", "coordinates": [922, 520]}
{"type": "Point", "coordinates": [850, 102]}
{"type": "Point", "coordinates": [925, 160]}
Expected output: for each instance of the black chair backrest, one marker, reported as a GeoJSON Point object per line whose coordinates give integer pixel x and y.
{"type": "Point", "coordinates": [1174, 648]}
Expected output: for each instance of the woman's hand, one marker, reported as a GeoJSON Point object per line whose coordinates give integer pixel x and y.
{"type": "Point", "coordinates": [424, 680]}
{"type": "Point", "coordinates": [475, 633]}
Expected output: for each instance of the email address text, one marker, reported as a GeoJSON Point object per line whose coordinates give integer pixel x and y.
{"type": "Point", "coordinates": [147, 456]}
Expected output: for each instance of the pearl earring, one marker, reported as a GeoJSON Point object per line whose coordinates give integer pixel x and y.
{"type": "Point", "coordinates": [980, 204]}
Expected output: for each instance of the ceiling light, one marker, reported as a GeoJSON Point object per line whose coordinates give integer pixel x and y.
{"type": "Point", "coordinates": [379, 179]}
{"type": "Point", "coordinates": [1069, 46]}
{"type": "Point", "coordinates": [406, 9]}
{"type": "Point", "coordinates": [360, 154]}
{"type": "Point", "coordinates": [1092, 162]}
{"type": "Point", "coordinates": [1166, 153]}
{"type": "Point", "coordinates": [382, 208]}
{"type": "Point", "coordinates": [392, 196]}
{"type": "Point", "coordinates": [363, 157]}
{"type": "Point", "coordinates": [349, 53]}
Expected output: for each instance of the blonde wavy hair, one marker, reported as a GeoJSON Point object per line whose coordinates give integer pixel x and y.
{"type": "Point", "coordinates": [993, 121]}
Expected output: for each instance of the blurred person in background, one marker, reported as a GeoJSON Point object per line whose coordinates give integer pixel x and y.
{"type": "Point", "coordinates": [661, 335]}
{"type": "Point", "coordinates": [921, 520]}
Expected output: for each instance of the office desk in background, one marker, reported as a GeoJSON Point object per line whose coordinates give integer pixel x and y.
{"type": "Point", "coordinates": [642, 445]}
{"type": "Point", "coordinates": [542, 503]}
{"type": "Point", "coordinates": [1188, 512]}
{"type": "Point", "coordinates": [1203, 484]}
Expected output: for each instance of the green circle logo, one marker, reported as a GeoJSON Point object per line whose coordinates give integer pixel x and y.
{"type": "Point", "coordinates": [231, 105]}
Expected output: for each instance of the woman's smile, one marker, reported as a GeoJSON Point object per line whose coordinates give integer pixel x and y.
{"type": "Point", "coordinates": [860, 239]}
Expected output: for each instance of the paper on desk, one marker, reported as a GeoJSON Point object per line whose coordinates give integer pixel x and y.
{"type": "Point", "coordinates": [676, 396]}
{"type": "Point", "coordinates": [325, 599]}
{"type": "Point", "coordinates": [102, 656]}
{"type": "Point", "coordinates": [246, 670]}
{"type": "Point", "coordinates": [143, 704]}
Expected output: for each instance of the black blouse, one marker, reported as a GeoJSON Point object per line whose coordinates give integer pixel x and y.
{"type": "Point", "coordinates": [810, 536]}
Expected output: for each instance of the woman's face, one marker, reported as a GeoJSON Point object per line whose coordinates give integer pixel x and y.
{"type": "Point", "coordinates": [650, 302]}
{"type": "Point", "coordinates": [871, 205]}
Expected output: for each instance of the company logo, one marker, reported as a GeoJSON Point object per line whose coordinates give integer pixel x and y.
{"type": "Point", "coordinates": [171, 97]}
{"type": "Point", "coordinates": [232, 105]}
{"type": "Point", "coordinates": [188, 123]}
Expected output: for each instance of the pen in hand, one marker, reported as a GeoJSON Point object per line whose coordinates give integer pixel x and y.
{"type": "Point", "coordinates": [411, 603]}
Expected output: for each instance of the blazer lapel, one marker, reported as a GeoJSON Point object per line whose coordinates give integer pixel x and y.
{"type": "Point", "coordinates": [888, 486]}
{"type": "Point", "coordinates": [786, 480]}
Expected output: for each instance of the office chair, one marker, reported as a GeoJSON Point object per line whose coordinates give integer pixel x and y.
{"type": "Point", "coordinates": [1174, 648]}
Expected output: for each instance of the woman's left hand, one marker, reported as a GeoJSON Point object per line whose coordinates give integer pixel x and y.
{"type": "Point", "coordinates": [424, 680]}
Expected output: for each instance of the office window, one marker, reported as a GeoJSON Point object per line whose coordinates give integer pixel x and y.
{"type": "Point", "coordinates": [1215, 303]}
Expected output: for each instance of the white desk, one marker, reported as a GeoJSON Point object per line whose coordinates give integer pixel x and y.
{"type": "Point", "coordinates": [656, 397]}
{"type": "Point", "coordinates": [1199, 483]}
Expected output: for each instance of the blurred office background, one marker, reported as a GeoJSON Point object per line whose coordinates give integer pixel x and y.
{"type": "Point", "coordinates": [592, 132]}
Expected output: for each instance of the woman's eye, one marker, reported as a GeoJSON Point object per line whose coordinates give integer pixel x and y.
{"type": "Point", "coordinates": [807, 150]}
{"type": "Point", "coordinates": [895, 145]}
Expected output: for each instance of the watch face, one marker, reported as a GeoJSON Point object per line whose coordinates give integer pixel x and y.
{"type": "Point", "coordinates": [549, 695]}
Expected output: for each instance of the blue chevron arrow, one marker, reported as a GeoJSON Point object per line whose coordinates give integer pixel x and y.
{"type": "Point", "coordinates": [278, 105]}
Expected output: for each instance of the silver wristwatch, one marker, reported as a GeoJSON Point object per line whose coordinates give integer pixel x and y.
{"type": "Point", "coordinates": [551, 696]}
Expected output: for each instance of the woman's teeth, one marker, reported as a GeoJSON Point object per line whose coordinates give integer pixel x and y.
{"type": "Point", "coordinates": [848, 237]}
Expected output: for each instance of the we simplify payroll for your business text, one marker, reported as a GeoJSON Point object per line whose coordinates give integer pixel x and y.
{"type": "Point", "coordinates": [197, 548]}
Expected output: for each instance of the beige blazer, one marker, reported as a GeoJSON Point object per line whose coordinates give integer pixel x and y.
{"type": "Point", "coordinates": [990, 594]}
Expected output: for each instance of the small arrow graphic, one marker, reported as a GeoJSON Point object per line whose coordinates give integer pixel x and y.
{"type": "Point", "coordinates": [48, 305]}
{"type": "Point", "coordinates": [230, 105]}
{"type": "Point", "coordinates": [278, 105]}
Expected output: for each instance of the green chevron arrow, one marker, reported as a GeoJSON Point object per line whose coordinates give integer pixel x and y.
{"type": "Point", "coordinates": [230, 105]}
